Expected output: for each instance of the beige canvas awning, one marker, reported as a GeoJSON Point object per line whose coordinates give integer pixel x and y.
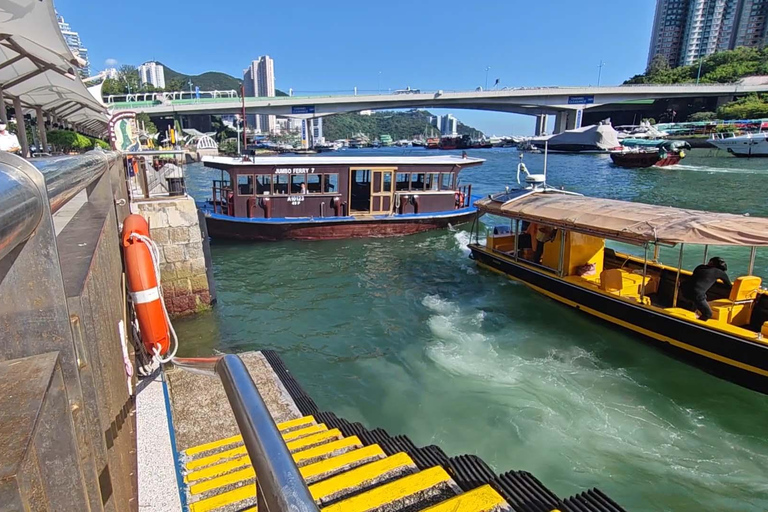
{"type": "Point", "coordinates": [635, 223]}
{"type": "Point", "coordinates": [38, 68]}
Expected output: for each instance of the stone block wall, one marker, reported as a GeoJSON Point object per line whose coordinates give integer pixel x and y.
{"type": "Point", "coordinates": [174, 226]}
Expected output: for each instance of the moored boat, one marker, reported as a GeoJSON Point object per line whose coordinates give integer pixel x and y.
{"type": "Point", "coordinates": [664, 154]}
{"type": "Point", "coordinates": [637, 293]}
{"type": "Point", "coordinates": [336, 197]}
{"type": "Point", "coordinates": [747, 145]}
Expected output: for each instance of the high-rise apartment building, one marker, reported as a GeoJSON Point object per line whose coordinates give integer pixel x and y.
{"type": "Point", "coordinates": [259, 81]}
{"type": "Point", "coordinates": [450, 125]}
{"type": "Point", "coordinates": [686, 30]}
{"type": "Point", "coordinates": [152, 73]}
{"type": "Point", "coordinates": [73, 41]}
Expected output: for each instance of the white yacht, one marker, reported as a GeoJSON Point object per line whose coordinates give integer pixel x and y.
{"type": "Point", "coordinates": [747, 145]}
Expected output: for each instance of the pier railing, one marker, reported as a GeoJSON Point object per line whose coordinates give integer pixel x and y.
{"type": "Point", "coordinates": [155, 173]}
{"type": "Point", "coordinates": [279, 483]}
{"type": "Point", "coordinates": [64, 393]}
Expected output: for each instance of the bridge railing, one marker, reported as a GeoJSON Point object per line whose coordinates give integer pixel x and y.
{"type": "Point", "coordinates": [64, 392]}
{"type": "Point", "coordinates": [279, 484]}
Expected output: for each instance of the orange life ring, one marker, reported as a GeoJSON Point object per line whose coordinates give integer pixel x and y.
{"type": "Point", "coordinates": [143, 286]}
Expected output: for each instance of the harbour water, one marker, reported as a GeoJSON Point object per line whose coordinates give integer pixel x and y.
{"type": "Point", "coordinates": [407, 334]}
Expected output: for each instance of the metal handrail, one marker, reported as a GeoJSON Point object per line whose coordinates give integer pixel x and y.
{"type": "Point", "coordinates": [67, 176]}
{"type": "Point", "coordinates": [279, 483]}
{"type": "Point", "coordinates": [22, 200]}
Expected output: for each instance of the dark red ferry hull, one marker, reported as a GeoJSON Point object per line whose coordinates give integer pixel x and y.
{"type": "Point", "coordinates": [331, 230]}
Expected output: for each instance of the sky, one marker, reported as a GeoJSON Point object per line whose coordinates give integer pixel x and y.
{"type": "Point", "coordinates": [388, 45]}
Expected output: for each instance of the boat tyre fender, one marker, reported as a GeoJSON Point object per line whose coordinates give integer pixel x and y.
{"type": "Point", "coordinates": [265, 204]}
{"type": "Point", "coordinates": [415, 203]}
{"type": "Point", "coordinates": [336, 205]}
{"type": "Point", "coordinates": [142, 267]}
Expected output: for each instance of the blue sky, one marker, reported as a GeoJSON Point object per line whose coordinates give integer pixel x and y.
{"type": "Point", "coordinates": [392, 44]}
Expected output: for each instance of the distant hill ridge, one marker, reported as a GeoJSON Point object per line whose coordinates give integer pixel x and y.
{"type": "Point", "coordinates": [208, 81]}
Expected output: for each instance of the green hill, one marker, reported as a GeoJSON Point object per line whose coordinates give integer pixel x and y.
{"type": "Point", "coordinates": [399, 125]}
{"type": "Point", "coordinates": [719, 68]}
{"type": "Point", "coordinates": [208, 81]}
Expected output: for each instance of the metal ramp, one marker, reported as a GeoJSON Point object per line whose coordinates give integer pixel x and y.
{"type": "Point", "coordinates": [349, 468]}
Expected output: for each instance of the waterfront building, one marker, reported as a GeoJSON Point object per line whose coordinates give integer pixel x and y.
{"type": "Point", "coordinates": [437, 122]}
{"type": "Point", "coordinates": [684, 31]}
{"type": "Point", "coordinates": [111, 73]}
{"type": "Point", "coordinates": [152, 73]}
{"type": "Point", "coordinates": [259, 81]}
{"type": "Point", "coordinates": [73, 41]}
{"type": "Point", "coordinates": [450, 126]}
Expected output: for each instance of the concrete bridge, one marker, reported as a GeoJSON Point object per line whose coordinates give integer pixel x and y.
{"type": "Point", "coordinates": [566, 103]}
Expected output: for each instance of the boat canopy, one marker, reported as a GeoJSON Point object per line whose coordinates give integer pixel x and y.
{"type": "Point", "coordinates": [345, 160]}
{"type": "Point", "coordinates": [635, 223]}
{"type": "Point", "coordinates": [601, 136]}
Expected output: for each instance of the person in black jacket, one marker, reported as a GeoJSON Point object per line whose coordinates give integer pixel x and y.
{"type": "Point", "coordinates": [704, 276]}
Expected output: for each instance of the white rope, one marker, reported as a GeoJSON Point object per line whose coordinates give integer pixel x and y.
{"type": "Point", "coordinates": [154, 253]}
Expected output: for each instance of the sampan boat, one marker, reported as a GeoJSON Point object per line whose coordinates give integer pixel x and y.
{"type": "Point", "coordinates": [316, 198]}
{"type": "Point", "coordinates": [637, 293]}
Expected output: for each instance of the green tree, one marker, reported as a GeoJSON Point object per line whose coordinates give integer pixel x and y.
{"type": "Point", "coordinates": [702, 116]}
{"type": "Point", "coordinates": [142, 118]}
{"type": "Point", "coordinates": [229, 147]}
{"type": "Point", "coordinates": [753, 106]}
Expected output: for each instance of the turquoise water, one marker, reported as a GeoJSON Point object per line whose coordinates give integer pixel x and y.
{"type": "Point", "coordinates": [407, 334]}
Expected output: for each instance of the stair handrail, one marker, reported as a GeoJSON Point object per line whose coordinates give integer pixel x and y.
{"type": "Point", "coordinates": [279, 484]}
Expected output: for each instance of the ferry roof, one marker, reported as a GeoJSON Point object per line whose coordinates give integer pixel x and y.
{"type": "Point", "coordinates": [223, 161]}
{"type": "Point", "coordinates": [635, 223]}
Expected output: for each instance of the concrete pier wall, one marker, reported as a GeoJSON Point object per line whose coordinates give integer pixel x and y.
{"type": "Point", "coordinates": [174, 226]}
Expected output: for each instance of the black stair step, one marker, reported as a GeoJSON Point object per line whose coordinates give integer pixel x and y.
{"type": "Point", "coordinates": [469, 471]}
{"type": "Point", "coordinates": [429, 456]}
{"type": "Point", "coordinates": [593, 500]}
{"type": "Point", "coordinates": [525, 493]}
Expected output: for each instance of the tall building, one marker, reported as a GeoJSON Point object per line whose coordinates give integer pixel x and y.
{"type": "Point", "coordinates": [686, 30]}
{"type": "Point", "coordinates": [73, 41]}
{"type": "Point", "coordinates": [111, 73]}
{"type": "Point", "coordinates": [437, 122]}
{"type": "Point", "coordinates": [259, 81]}
{"type": "Point", "coordinates": [152, 73]}
{"type": "Point", "coordinates": [449, 125]}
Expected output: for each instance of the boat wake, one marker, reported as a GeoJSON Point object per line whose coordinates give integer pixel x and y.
{"type": "Point", "coordinates": [705, 168]}
{"type": "Point", "coordinates": [546, 392]}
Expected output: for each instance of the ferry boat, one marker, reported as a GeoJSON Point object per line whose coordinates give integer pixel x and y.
{"type": "Point", "coordinates": [637, 293]}
{"type": "Point", "coordinates": [276, 198]}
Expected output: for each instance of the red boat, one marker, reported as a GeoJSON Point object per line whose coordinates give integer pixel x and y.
{"type": "Point", "coordinates": [639, 158]}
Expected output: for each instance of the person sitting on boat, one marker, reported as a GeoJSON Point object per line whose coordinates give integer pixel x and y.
{"type": "Point", "coordinates": [544, 234]}
{"type": "Point", "coordinates": [704, 276]}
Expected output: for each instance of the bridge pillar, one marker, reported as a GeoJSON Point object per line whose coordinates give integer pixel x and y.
{"type": "Point", "coordinates": [541, 124]}
{"type": "Point", "coordinates": [568, 120]}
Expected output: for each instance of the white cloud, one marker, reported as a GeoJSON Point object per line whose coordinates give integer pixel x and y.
{"type": "Point", "coordinates": [110, 63]}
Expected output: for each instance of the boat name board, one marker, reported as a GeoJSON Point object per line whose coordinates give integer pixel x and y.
{"type": "Point", "coordinates": [295, 170]}
{"type": "Point", "coordinates": [296, 200]}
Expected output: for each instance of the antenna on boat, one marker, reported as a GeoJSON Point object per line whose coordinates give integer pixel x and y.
{"type": "Point", "coordinates": [546, 151]}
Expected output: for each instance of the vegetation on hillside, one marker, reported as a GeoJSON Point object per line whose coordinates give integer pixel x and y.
{"type": "Point", "coordinates": [719, 68]}
{"type": "Point", "coordinates": [754, 106]}
{"type": "Point", "coordinates": [68, 141]}
{"type": "Point", "coordinates": [399, 125]}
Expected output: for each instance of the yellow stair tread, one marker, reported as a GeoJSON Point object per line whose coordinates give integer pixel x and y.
{"type": "Point", "coordinates": [352, 458]}
{"type": "Point", "coordinates": [298, 444]}
{"type": "Point", "coordinates": [393, 491]}
{"type": "Point", "coordinates": [299, 457]}
{"type": "Point", "coordinates": [226, 498]}
{"type": "Point", "coordinates": [360, 475]}
{"type": "Point", "coordinates": [314, 440]}
{"type": "Point", "coordinates": [285, 426]}
{"type": "Point", "coordinates": [482, 499]}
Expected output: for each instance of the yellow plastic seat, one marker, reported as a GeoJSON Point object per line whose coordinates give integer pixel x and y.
{"type": "Point", "coordinates": [736, 309]}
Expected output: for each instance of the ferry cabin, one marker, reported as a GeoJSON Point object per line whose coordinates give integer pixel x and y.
{"type": "Point", "coordinates": [637, 293]}
{"type": "Point", "coordinates": [336, 197]}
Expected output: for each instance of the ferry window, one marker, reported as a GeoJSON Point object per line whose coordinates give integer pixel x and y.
{"type": "Point", "coordinates": [245, 185]}
{"type": "Point", "coordinates": [417, 181]}
{"type": "Point", "coordinates": [433, 181]}
{"type": "Point", "coordinates": [447, 181]}
{"type": "Point", "coordinates": [263, 184]}
{"type": "Point", "coordinates": [298, 184]}
{"type": "Point", "coordinates": [402, 181]}
{"type": "Point", "coordinates": [281, 184]}
{"type": "Point", "coordinates": [313, 183]}
{"type": "Point", "coordinates": [387, 182]}
{"type": "Point", "coordinates": [331, 183]}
